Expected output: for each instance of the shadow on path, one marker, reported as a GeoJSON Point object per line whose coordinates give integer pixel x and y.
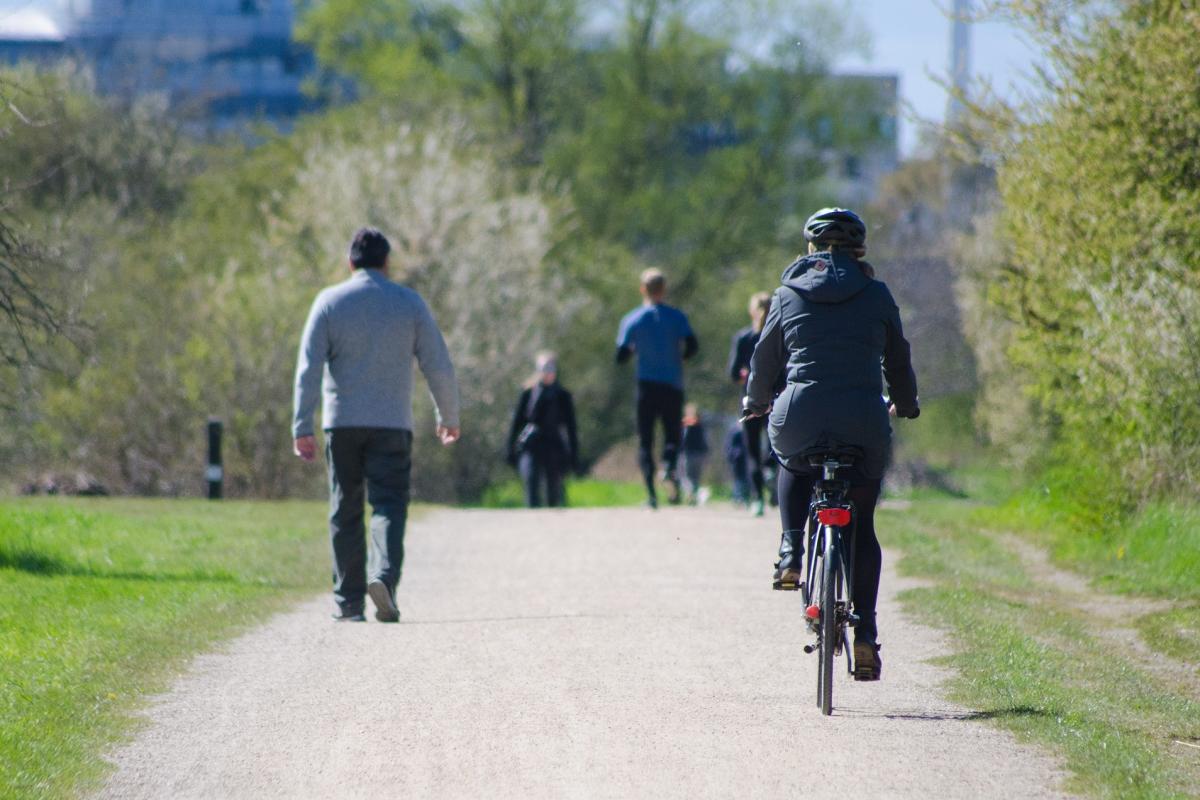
{"type": "Point", "coordinates": [965, 716]}
{"type": "Point", "coordinates": [35, 563]}
{"type": "Point", "coordinates": [536, 617]}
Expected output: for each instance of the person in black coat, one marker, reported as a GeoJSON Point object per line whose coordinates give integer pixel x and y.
{"type": "Point", "coordinates": [830, 328]}
{"type": "Point", "coordinates": [542, 441]}
{"type": "Point", "coordinates": [753, 428]}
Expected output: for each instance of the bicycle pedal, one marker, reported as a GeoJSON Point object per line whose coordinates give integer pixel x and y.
{"type": "Point", "coordinates": [787, 586]}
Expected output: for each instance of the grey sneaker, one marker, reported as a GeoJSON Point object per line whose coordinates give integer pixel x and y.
{"type": "Point", "coordinates": [345, 616]}
{"type": "Point", "coordinates": [385, 605]}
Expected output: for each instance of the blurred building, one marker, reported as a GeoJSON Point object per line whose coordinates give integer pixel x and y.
{"type": "Point", "coordinates": [30, 36]}
{"type": "Point", "coordinates": [861, 144]}
{"type": "Point", "coordinates": [221, 63]}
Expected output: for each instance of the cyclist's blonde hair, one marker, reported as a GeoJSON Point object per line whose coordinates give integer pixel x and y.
{"type": "Point", "coordinates": [857, 252]}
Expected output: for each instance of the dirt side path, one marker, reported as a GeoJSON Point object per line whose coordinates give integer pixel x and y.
{"type": "Point", "coordinates": [606, 653]}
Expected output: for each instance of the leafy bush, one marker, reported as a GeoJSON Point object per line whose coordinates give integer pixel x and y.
{"type": "Point", "coordinates": [1098, 285]}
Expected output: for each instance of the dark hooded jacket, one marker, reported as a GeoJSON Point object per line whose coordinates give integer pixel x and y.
{"type": "Point", "coordinates": [829, 330]}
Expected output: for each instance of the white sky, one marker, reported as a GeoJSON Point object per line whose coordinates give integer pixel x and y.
{"type": "Point", "coordinates": [908, 37]}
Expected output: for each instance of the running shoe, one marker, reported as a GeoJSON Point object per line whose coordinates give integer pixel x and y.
{"type": "Point", "coordinates": [675, 495]}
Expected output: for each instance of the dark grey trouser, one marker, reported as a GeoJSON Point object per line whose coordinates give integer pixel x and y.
{"type": "Point", "coordinates": [693, 468]}
{"type": "Point", "coordinates": [370, 464]}
{"type": "Point", "coordinates": [538, 468]}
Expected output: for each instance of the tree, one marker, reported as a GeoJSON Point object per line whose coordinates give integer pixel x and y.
{"type": "Point", "coordinates": [675, 139]}
{"type": "Point", "coordinates": [31, 315]}
{"type": "Point", "coordinates": [1100, 277]}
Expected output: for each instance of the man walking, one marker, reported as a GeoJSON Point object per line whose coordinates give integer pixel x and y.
{"type": "Point", "coordinates": [662, 338]}
{"type": "Point", "coordinates": [358, 345]}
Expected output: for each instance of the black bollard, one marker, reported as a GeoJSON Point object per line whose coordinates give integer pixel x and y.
{"type": "Point", "coordinates": [214, 473]}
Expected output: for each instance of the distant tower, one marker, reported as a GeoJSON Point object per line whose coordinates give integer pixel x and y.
{"type": "Point", "coordinates": [960, 59]}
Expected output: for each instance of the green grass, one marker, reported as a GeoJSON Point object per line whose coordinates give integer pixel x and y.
{"type": "Point", "coordinates": [1174, 633]}
{"type": "Point", "coordinates": [1153, 552]}
{"type": "Point", "coordinates": [583, 493]}
{"type": "Point", "coordinates": [102, 601]}
{"type": "Point", "coordinates": [1033, 664]}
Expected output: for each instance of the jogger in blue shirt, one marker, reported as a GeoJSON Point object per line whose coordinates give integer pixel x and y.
{"type": "Point", "coordinates": [661, 337]}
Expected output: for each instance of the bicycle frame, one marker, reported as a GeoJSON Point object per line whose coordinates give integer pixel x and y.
{"type": "Point", "coordinates": [831, 515]}
{"type": "Point", "coordinates": [829, 492]}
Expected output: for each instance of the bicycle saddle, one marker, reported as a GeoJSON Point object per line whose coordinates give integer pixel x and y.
{"type": "Point", "coordinates": [844, 455]}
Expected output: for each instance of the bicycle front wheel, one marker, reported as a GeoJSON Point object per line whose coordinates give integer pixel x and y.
{"type": "Point", "coordinates": [829, 593]}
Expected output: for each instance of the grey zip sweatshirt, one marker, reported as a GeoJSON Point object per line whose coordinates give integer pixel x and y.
{"type": "Point", "coordinates": [358, 345]}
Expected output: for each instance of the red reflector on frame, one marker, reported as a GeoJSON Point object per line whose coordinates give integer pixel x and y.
{"type": "Point", "coordinates": [834, 516]}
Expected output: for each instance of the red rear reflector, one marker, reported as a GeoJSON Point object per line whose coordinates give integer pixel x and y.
{"type": "Point", "coordinates": [834, 516]}
{"type": "Point", "coordinates": [812, 612]}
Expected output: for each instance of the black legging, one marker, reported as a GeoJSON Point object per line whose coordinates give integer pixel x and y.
{"type": "Point", "coordinates": [655, 402]}
{"type": "Point", "coordinates": [795, 493]}
{"type": "Point", "coordinates": [752, 433]}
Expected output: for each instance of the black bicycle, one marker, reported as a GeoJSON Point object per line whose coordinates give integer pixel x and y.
{"type": "Point", "coordinates": [830, 568]}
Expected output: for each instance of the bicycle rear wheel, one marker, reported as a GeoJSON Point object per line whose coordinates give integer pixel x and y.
{"type": "Point", "coordinates": [829, 592]}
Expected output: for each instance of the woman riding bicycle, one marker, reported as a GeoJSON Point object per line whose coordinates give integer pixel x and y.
{"type": "Point", "coordinates": [830, 326]}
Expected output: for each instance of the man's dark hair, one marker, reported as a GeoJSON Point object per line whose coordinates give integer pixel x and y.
{"type": "Point", "coordinates": [370, 249]}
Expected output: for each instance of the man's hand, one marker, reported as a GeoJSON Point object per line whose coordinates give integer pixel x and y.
{"type": "Point", "coordinates": [305, 447]}
{"type": "Point", "coordinates": [448, 436]}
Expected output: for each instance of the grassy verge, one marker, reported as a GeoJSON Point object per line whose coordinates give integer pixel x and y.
{"type": "Point", "coordinates": [102, 601]}
{"type": "Point", "coordinates": [583, 493]}
{"type": "Point", "coordinates": [1154, 552]}
{"type": "Point", "coordinates": [1037, 666]}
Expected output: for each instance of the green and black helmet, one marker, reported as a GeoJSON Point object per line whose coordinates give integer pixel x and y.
{"type": "Point", "coordinates": [836, 226]}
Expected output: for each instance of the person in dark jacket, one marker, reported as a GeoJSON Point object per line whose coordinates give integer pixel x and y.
{"type": "Point", "coordinates": [830, 326]}
{"type": "Point", "coordinates": [542, 441]}
{"type": "Point", "coordinates": [753, 428]}
{"type": "Point", "coordinates": [694, 444]}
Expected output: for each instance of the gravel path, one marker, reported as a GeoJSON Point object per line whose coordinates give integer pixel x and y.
{"type": "Point", "coordinates": [605, 653]}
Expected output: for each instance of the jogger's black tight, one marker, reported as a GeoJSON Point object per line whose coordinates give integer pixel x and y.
{"type": "Point", "coordinates": [795, 493]}
{"type": "Point", "coordinates": [658, 402]}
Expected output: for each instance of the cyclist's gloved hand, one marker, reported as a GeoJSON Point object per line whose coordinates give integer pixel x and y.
{"type": "Point", "coordinates": [750, 410]}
